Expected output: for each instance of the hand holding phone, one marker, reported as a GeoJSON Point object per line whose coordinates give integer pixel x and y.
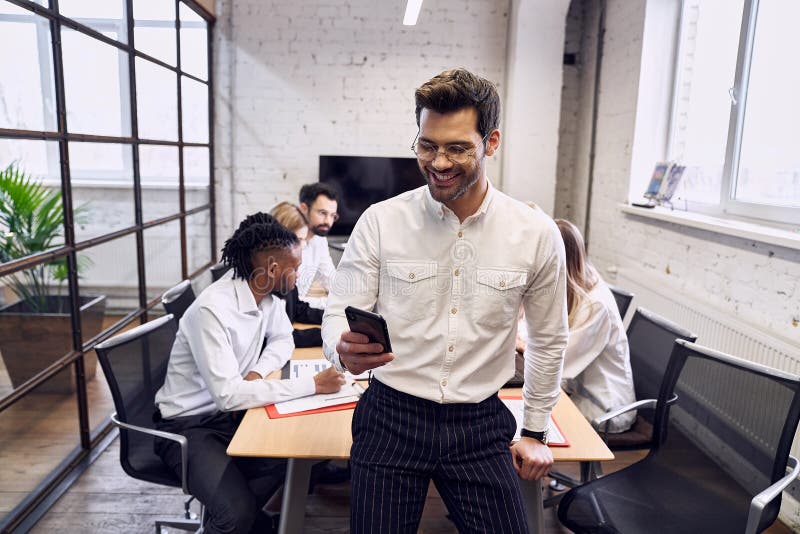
{"type": "Point", "coordinates": [367, 345]}
{"type": "Point", "coordinates": [370, 324]}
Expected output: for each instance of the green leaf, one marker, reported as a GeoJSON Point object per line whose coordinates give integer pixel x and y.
{"type": "Point", "coordinates": [32, 221]}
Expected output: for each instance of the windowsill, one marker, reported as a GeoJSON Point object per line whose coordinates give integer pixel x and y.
{"type": "Point", "coordinates": [734, 227]}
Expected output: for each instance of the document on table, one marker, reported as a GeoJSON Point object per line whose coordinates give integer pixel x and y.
{"type": "Point", "coordinates": [309, 368]}
{"type": "Point", "coordinates": [350, 392]}
{"type": "Point", "coordinates": [555, 437]}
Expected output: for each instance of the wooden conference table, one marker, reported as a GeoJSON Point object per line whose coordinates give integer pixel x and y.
{"type": "Point", "coordinates": [306, 439]}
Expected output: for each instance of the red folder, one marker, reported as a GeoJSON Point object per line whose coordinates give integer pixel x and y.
{"type": "Point", "coordinates": [272, 413]}
{"type": "Point", "coordinates": [564, 443]}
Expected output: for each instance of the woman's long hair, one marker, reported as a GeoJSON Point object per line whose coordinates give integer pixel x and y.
{"type": "Point", "coordinates": [581, 276]}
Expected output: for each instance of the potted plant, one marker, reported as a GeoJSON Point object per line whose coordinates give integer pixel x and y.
{"type": "Point", "coordinates": [36, 329]}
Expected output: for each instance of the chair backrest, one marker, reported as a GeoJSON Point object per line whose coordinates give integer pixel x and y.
{"type": "Point", "coordinates": [740, 414]}
{"type": "Point", "coordinates": [178, 299]}
{"type": "Point", "coordinates": [623, 299]}
{"type": "Point", "coordinates": [650, 340]}
{"type": "Point", "coordinates": [135, 365]}
{"type": "Point", "coordinates": [218, 270]}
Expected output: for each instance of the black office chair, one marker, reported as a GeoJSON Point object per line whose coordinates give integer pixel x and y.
{"type": "Point", "coordinates": [178, 299]}
{"type": "Point", "coordinates": [623, 299]}
{"type": "Point", "coordinates": [135, 365]}
{"type": "Point", "coordinates": [650, 340]}
{"type": "Point", "coordinates": [218, 270]}
{"type": "Point", "coordinates": [719, 456]}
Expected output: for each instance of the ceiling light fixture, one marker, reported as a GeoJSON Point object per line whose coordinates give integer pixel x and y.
{"type": "Point", "coordinates": [412, 12]}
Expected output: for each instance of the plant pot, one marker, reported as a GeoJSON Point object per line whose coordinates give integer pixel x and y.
{"type": "Point", "coordinates": [31, 341]}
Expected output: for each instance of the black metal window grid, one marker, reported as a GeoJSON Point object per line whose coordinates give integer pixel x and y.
{"type": "Point", "coordinates": [71, 246]}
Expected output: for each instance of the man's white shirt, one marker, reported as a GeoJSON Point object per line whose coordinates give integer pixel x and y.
{"type": "Point", "coordinates": [317, 265]}
{"type": "Point", "coordinates": [450, 293]}
{"type": "Point", "coordinates": [219, 341]}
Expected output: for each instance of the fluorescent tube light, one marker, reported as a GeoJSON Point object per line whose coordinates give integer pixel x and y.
{"type": "Point", "coordinates": [412, 12]}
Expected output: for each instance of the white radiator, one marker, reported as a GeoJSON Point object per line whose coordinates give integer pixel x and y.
{"type": "Point", "coordinates": [713, 328]}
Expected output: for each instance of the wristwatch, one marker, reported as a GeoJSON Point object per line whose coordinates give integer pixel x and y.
{"type": "Point", "coordinates": [541, 436]}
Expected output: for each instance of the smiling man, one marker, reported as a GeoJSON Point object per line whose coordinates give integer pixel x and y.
{"type": "Point", "coordinates": [448, 265]}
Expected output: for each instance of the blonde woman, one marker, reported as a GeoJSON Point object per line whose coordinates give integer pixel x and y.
{"type": "Point", "coordinates": [597, 368]}
{"type": "Point", "coordinates": [290, 216]}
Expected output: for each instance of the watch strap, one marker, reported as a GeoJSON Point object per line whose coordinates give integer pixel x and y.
{"type": "Point", "coordinates": [541, 435]}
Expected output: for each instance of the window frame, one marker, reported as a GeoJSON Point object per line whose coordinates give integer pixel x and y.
{"type": "Point", "coordinates": [728, 205]}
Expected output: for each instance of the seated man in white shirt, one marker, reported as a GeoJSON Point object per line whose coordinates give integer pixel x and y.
{"type": "Point", "coordinates": [217, 370]}
{"type": "Point", "coordinates": [318, 203]}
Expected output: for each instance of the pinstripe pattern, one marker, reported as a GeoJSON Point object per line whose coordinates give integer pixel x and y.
{"type": "Point", "coordinates": [401, 443]}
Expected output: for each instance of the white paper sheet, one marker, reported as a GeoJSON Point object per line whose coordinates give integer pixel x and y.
{"type": "Point", "coordinates": [350, 392]}
{"type": "Point", "coordinates": [554, 436]}
{"type": "Point", "coordinates": [309, 368]}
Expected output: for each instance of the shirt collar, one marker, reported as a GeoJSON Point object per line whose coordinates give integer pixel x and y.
{"type": "Point", "coordinates": [439, 210]}
{"type": "Point", "coordinates": [244, 297]}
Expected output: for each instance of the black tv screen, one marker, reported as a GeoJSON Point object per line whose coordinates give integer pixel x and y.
{"type": "Point", "coordinates": [362, 181]}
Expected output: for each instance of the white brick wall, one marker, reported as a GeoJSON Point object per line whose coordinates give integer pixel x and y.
{"type": "Point", "coordinates": [298, 79]}
{"type": "Point", "coordinates": [755, 282]}
{"type": "Point", "coordinates": [571, 107]}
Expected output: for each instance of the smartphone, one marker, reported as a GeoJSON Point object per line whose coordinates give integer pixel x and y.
{"type": "Point", "coordinates": [370, 324]}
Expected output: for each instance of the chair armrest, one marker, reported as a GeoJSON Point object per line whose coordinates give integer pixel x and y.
{"type": "Point", "coordinates": [761, 500]}
{"type": "Point", "coordinates": [182, 441]}
{"type": "Point", "coordinates": [646, 403]}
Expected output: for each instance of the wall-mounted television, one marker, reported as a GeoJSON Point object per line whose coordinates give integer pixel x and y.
{"type": "Point", "coordinates": [362, 181]}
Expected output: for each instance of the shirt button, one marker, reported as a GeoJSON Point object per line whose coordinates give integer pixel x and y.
{"type": "Point", "coordinates": [502, 283]}
{"type": "Point", "coordinates": [456, 272]}
{"type": "Point", "coordinates": [451, 348]}
{"type": "Point", "coordinates": [444, 382]}
{"type": "Point", "coordinates": [453, 310]}
{"type": "Point", "coordinates": [460, 234]}
{"type": "Point", "coordinates": [411, 276]}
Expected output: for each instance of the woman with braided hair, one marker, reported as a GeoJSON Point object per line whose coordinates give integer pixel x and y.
{"type": "Point", "coordinates": [216, 371]}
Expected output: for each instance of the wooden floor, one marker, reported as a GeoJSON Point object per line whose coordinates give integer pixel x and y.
{"type": "Point", "coordinates": [40, 430]}
{"type": "Point", "coordinates": [106, 500]}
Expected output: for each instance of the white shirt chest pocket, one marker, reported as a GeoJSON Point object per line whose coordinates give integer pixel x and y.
{"type": "Point", "coordinates": [409, 289]}
{"type": "Point", "coordinates": [498, 293]}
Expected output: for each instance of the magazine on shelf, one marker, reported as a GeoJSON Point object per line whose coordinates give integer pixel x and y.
{"type": "Point", "coordinates": [670, 184]}
{"type": "Point", "coordinates": [660, 171]}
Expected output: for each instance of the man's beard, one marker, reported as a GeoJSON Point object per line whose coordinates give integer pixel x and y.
{"type": "Point", "coordinates": [468, 179]}
{"type": "Point", "coordinates": [320, 230]}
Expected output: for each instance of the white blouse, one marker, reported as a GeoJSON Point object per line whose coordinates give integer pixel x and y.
{"type": "Point", "coordinates": [597, 367]}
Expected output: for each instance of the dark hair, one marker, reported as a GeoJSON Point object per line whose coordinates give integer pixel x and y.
{"type": "Point", "coordinates": [310, 192]}
{"type": "Point", "coordinates": [457, 89]}
{"type": "Point", "coordinates": [256, 233]}
{"type": "Point", "coordinates": [258, 217]}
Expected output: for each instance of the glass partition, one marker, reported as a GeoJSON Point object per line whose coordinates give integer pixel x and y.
{"type": "Point", "coordinates": [118, 166]}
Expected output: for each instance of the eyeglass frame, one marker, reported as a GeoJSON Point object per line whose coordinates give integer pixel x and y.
{"type": "Point", "coordinates": [439, 150]}
{"type": "Point", "coordinates": [325, 214]}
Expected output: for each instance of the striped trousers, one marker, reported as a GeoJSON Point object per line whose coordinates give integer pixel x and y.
{"type": "Point", "coordinates": [402, 442]}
